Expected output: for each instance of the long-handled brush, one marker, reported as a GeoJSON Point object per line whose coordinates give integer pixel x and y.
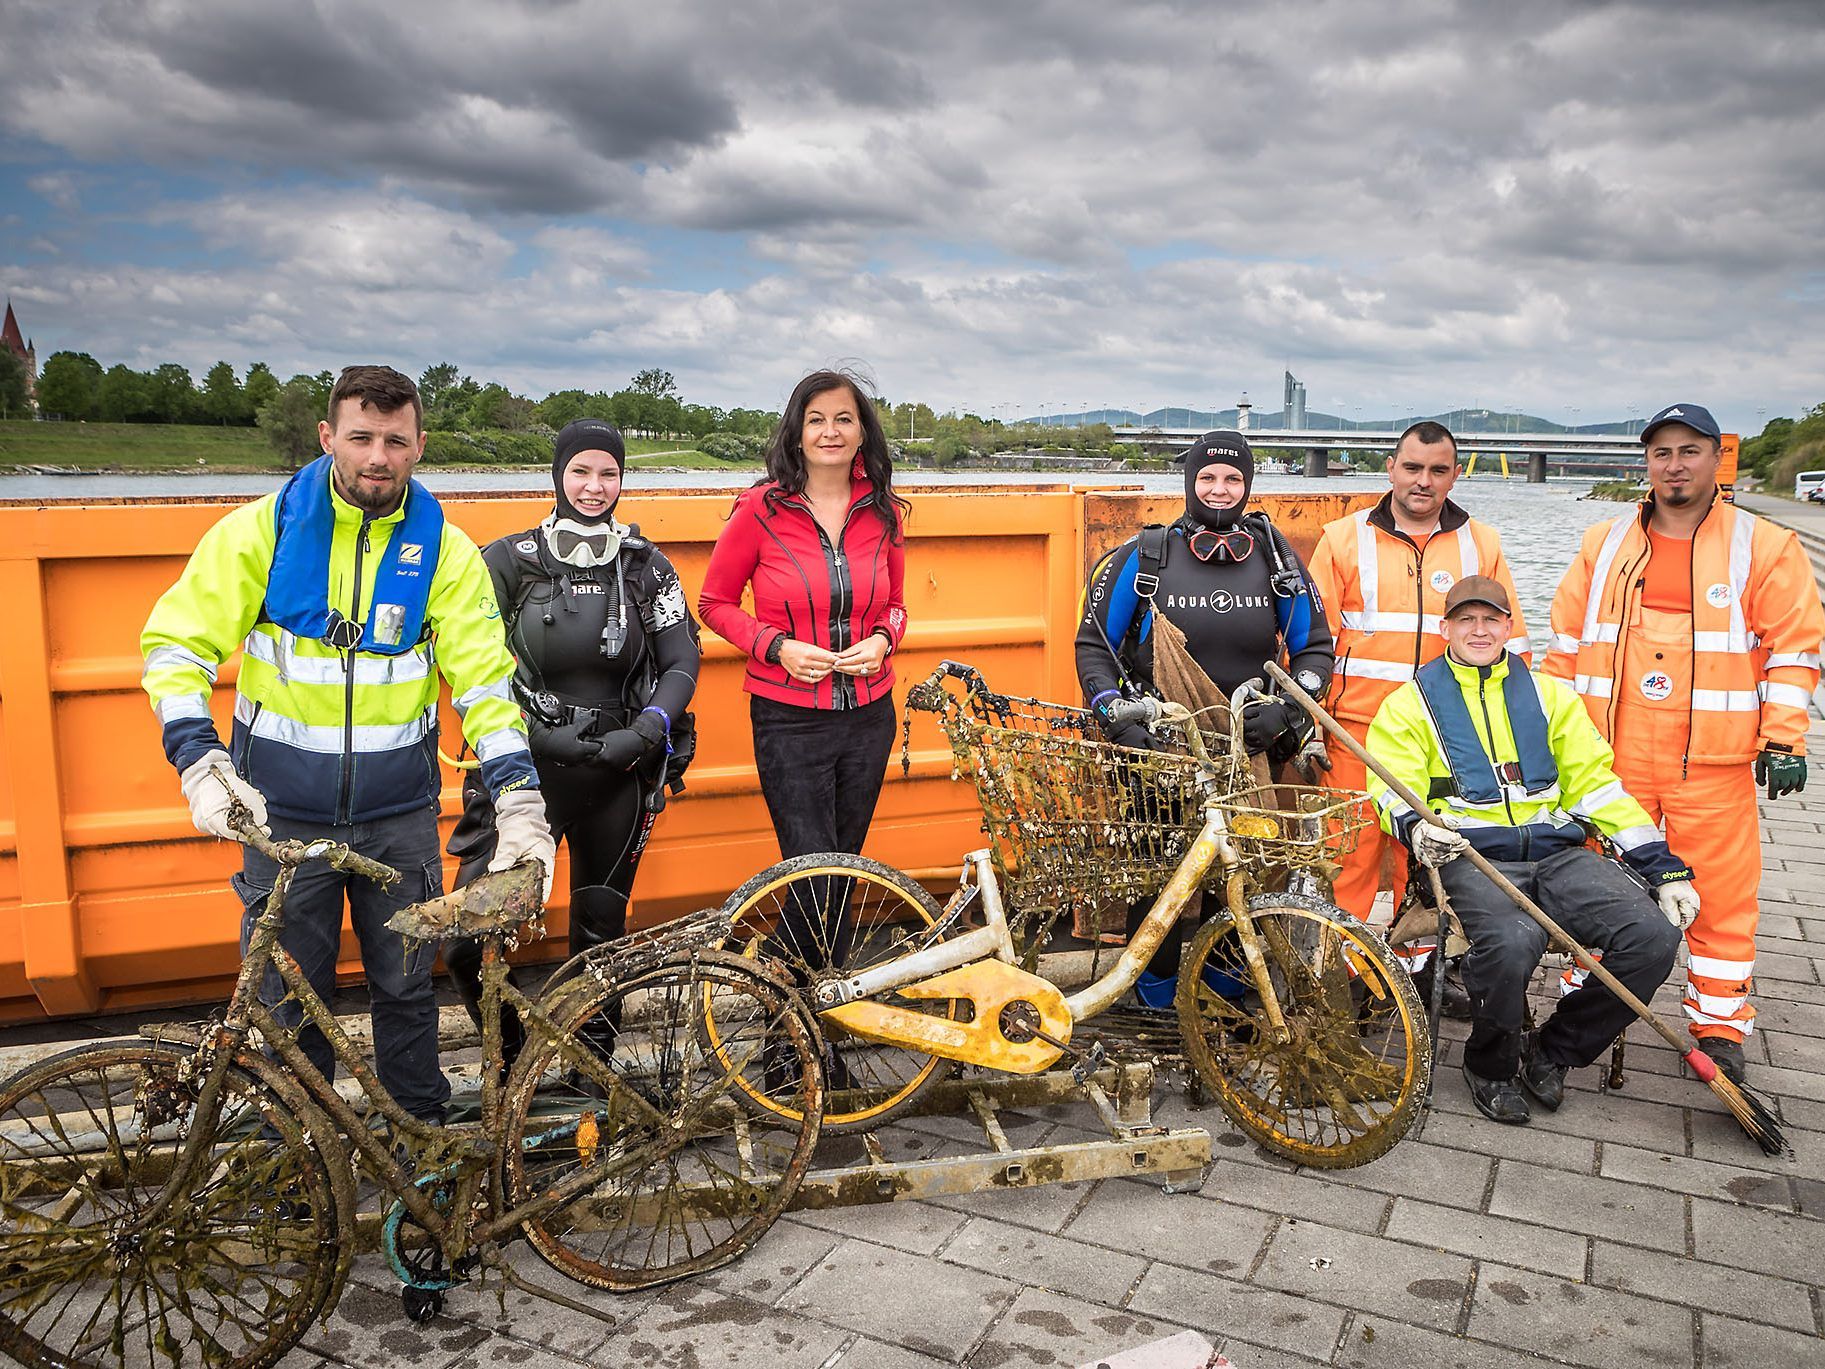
{"type": "Point", "coordinates": [1753, 1114]}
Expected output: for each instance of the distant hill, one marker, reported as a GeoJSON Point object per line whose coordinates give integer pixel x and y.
{"type": "Point", "coordinates": [1458, 420]}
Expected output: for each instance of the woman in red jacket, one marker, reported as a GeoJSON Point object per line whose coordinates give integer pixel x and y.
{"type": "Point", "coordinates": [820, 542]}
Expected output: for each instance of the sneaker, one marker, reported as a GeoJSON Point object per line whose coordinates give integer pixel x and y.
{"type": "Point", "coordinates": [1539, 1076]}
{"type": "Point", "coordinates": [1727, 1053]}
{"type": "Point", "coordinates": [1500, 1100]}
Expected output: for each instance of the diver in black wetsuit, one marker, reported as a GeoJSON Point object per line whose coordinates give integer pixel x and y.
{"type": "Point", "coordinates": [606, 652]}
{"type": "Point", "coordinates": [1232, 583]}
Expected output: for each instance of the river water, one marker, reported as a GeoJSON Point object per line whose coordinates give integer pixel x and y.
{"type": "Point", "coordinates": [1540, 524]}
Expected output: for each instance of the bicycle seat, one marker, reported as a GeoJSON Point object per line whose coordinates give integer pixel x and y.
{"type": "Point", "coordinates": [496, 902]}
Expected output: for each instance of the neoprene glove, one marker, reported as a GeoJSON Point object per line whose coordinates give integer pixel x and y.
{"type": "Point", "coordinates": [1782, 771]}
{"type": "Point", "coordinates": [522, 832]}
{"type": "Point", "coordinates": [210, 784]}
{"type": "Point", "coordinates": [1133, 735]}
{"type": "Point", "coordinates": [626, 747]}
{"type": "Point", "coordinates": [566, 745]}
{"type": "Point", "coordinates": [1678, 902]}
{"type": "Point", "coordinates": [1263, 722]}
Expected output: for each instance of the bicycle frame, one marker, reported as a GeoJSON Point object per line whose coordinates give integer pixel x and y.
{"type": "Point", "coordinates": [1021, 1022]}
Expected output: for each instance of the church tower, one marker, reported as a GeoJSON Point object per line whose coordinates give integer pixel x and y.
{"type": "Point", "coordinates": [11, 339]}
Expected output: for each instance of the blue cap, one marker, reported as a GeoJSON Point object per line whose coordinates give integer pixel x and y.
{"type": "Point", "coordinates": [1694, 416]}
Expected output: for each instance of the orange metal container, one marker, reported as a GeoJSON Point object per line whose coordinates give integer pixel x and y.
{"type": "Point", "coordinates": [109, 901]}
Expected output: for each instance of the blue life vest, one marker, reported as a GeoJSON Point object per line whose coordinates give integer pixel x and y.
{"type": "Point", "coordinates": [297, 588]}
{"type": "Point", "coordinates": [1473, 770]}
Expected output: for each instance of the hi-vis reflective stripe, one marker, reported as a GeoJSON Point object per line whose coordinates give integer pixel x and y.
{"type": "Point", "coordinates": [1597, 686]}
{"type": "Point", "coordinates": [1712, 641]}
{"type": "Point", "coordinates": [1742, 540]}
{"type": "Point", "coordinates": [1392, 622]}
{"type": "Point", "coordinates": [1732, 700]}
{"type": "Point", "coordinates": [1717, 1008]}
{"type": "Point", "coordinates": [500, 689]}
{"type": "Point", "coordinates": [177, 706]}
{"type": "Point", "coordinates": [1368, 566]}
{"type": "Point", "coordinates": [1466, 550]}
{"type": "Point", "coordinates": [169, 657]}
{"type": "Point", "coordinates": [1712, 968]}
{"type": "Point", "coordinates": [504, 742]}
{"type": "Point", "coordinates": [328, 740]}
{"type": "Point", "coordinates": [1391, 803]}
{"type": "Point", "coordinates": [1356, 668]}
{"type": "Point", "coordinates": [1600, 574]}
{"type": "Point", "coordinates": [1806, 659]}
{"type": "Point", "coordinates": [1519, 646]}
{"type": "Point", "coordinates": [1564, 641]}
{"type": "Point", "coordinates": [1545, 817]}
{"type": "Point", "coordinates": [1791, 695]}
{"type": "Point", "coordinates": [1600, 798]}
{"type": "Point", "coordinates": [295, 668]}
{"type": "Point", "coordinates": [1606, 632]}
{"type": "Point", "coordinates": [1634, 838]}
{"type": "Point", "coordinates": [1745, 1026]}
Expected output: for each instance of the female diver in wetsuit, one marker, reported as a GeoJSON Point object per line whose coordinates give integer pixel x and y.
{"type": "Point", "coordinates": [607, 655]}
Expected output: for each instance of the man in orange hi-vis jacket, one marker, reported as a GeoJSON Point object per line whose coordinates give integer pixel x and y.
{"type": "Point", "coordinates": [1383, 574]}
{"type": "Point", "coordinates": [1691, 628]}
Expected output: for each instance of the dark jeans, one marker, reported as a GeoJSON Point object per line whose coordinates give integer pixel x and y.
{"type": "Point", "coordinates": [398, 971]}
{"type": "Point", "coordinates": [1600, 906]}
{"type": "Point", "coordinates": [821, 771]}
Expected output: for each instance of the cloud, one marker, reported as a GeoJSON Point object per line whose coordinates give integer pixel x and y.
{"type": "Point", "coordinates": [1146, 202]}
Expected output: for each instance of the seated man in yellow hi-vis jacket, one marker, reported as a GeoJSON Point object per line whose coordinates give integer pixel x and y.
{"type": "Point", "coordinates": [1510, 764]}
{"type": "Point", "coordinates": [348, 595]}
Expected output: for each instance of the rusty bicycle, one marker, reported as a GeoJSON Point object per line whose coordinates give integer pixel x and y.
{"type": "Point", "coordinates": [192, 1197]}
{"type": "Point", "coordinates": [1295, 1016]}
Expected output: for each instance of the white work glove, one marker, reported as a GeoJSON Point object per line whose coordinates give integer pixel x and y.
{"type": "Point", "coordinates": [1679, 902]}
{"type": "Point", "coordinates": [209, 783]}
{"type": "Point", "coordinates": [520, 831]}
{"type": "Point", "coordinates": [1436, 840]}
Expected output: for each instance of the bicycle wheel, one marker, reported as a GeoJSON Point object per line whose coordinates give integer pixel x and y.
{"type": "Point", "coordinates": [817, 912]}
{"type": "Point", "coordinates": [1346, 1082]}
{"type": "Point", "coordinates": [633, 1119]}
{"type": "Point", "coordinates": [230, 1275]}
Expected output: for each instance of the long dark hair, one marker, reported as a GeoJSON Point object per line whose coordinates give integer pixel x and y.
{"type": "Point", "coordinates": [786, 457]}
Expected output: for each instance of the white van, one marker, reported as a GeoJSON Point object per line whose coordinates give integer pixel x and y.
{"type": "Point", "coordinates": [1806, 482]}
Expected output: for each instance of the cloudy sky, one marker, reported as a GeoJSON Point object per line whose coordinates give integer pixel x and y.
{"type": "Point", "coordinates": [1566, 208]}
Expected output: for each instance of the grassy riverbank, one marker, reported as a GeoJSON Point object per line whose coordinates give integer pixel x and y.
{"type": "Point", "coordinates": [171, 447]}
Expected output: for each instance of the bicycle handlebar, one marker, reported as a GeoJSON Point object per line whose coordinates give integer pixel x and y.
{"type": "Point", "coordinates": [1123, 712]}
{"type": "Point", "coordinates": [295, 852]}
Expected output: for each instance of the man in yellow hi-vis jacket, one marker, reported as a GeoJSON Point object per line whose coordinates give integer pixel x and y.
{"type": "Point", "coordinates": [1509, 763]}
{"type": "Point", "coordinates": [347, 593]}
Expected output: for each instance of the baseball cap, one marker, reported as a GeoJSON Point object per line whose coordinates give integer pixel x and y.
{"type": "Point", "coordinates": [1477, 589]}
{"type": "Point", "coordinates": [1694, 416]}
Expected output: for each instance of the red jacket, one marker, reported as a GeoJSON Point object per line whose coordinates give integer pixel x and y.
{"type": "Point", "coordinates": [806, 589]}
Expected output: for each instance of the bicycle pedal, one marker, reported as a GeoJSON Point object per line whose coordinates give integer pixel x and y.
{"type": "Point", "coordinates": [1088, 1062]}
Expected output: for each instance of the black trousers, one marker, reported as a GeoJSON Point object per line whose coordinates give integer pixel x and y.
{"type": "Point", "coordinates": [821, 772]}
{"type": "Point", "coordinates": [1597, 903]}
{"type": "Point", "coordinates": [601, 816]}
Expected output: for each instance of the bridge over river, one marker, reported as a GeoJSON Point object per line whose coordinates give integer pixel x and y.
{"type": "Point", "coordinates": [1572, 453]}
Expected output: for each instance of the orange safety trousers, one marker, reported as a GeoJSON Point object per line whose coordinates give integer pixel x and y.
{"type": "Point", "coordinates": [1355, 889]}
{"type": "Point", "coordinates": [1711, 824]}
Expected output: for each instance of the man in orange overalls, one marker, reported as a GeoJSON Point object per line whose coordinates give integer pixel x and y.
{"type": "Point", "coordinates": [1383, 574]}
{"type": "Point", "coordinates": [1691, 628]}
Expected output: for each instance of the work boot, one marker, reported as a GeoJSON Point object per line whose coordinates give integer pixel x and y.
{"type": "Point", "coordinates": [1457, 1000]}
{"type": "Point", "coordinates": [1727, 1053]}
{"type": "Point", "coordinates": [1500, 1100]}
{"type": "Point", "coordinates": [1539, 1076]}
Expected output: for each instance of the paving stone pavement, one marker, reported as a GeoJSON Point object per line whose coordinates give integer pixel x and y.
{"type": "Point", "coordinates": [1636, 1227]}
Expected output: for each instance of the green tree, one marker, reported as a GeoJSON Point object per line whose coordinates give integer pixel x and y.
{"type": "Point", "coordinates": [494, 406]}
{"type": "Point", "coordinates": [171, 394]}
{"type": "Point", "coordinates": [260, 388]}
{"type": "Point", "coordinates": [655, 382]}
{"type": "Point", "coordinates": [123, 396]}
{"type": "Point", "coordinates": [67, 385]}
{"type": "Point", "coordinates": [289, 420]}
{"type": "Point", "coordinates": [561, 407]}
{"type": "Point", "coordinates": [224, 401]}
{"type": "Point", "coordinates": [14, 402]}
